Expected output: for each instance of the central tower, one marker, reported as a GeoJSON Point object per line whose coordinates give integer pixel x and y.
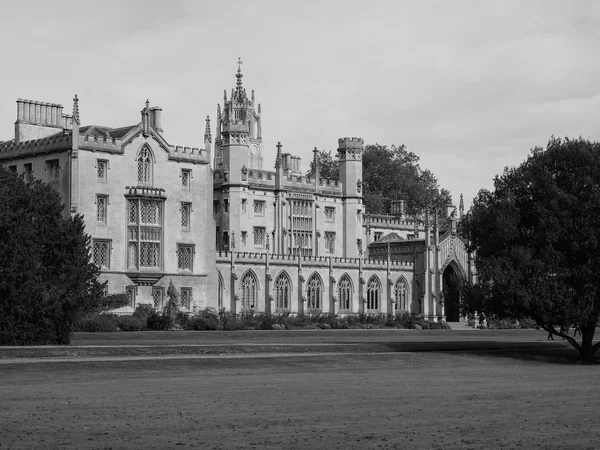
{"type": "Point", "coordinates": [239, 135]}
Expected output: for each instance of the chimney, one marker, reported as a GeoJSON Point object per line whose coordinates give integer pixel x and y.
{"type": "Point", "coordinates": [155, 118]}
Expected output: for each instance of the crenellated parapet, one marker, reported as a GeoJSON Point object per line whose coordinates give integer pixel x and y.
{"type": "Point", "coordinates": [57, 142]}
{"type": "Point", "coordinates": [189, 154]}
{"type": "Point", "coordinates": [350, 148]}
{"type": "Point", "coordinates": [388, 222]}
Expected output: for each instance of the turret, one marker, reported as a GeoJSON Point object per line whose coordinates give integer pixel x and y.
{"type": "Point", "coordinates": [350, 157]}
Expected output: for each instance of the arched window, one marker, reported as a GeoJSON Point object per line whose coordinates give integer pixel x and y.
{"type": "Point", "coordinates": [144, 166]}
{"type": "Point", "coordinates": [314, 292]}
{"type": "Point", "coordinates": [373, 289]}
{"type": "Point", "coordinates": [282, 291]}
{"type": "Point", "coordinates": [401, 294]}
{"type": "Point", "coordinates": [220, 291]}
{"type": "Point", "coordinates": [249, 291]}
{"type": "Point", "coordinates": [345, 292]}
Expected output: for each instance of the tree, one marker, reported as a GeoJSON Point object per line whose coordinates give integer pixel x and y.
{"type": "Point", "coordinates": [536, 238]}
{"type": "Point", "coordinates": [329, 167]}
{"type": "Point", "coordinates": [47, 281]}
{"type": "Point", "coordinates": [395, 174]}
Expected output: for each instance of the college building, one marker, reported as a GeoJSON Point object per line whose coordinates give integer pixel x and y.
{"type": "Point", "coordinates": [226, 231]}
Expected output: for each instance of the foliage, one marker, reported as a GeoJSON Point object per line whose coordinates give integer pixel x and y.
{"type": "Point", "coordinates": [536, 238]}
{"type": "Point", "coordinates": [329, 168]}
{"type": "Point", "coordinates": [395, 174]}
{"type": "Point", "coordinates": [143, 312]}
{"type": "Point", "coordinates": [97, 323]}
{"type": "Point", "coordinates": [130, 323]}
{"type": "Point", "coordinates": [47, 281]}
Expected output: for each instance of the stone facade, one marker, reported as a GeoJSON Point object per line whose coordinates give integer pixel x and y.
{"type": "Point", "coordinates": [234, 236]}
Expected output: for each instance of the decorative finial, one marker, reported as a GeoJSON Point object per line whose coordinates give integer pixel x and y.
{"type": "Point", "coordinates": [207, 135]}
{"type": "Point", "coordinates": [239, 74]}
{"type": "Point", "coordinates": [147, 103]}
{"type": "Point", "coordinates": [259, 109]}
{"type": "Point", "coordinates": [224, 97]}
{"type": "Point", "coordinates": [76, 110]}
{"type": "Point", "coordinates": [232, 243]}
{"type": "Point", "coordinates": [461, 206]}
{"type": "Point", "coordinates": [253, 96]}
{"type": "Point", "coordinates": [267, 244]}
{"type": "Point", "coordinates": [278, 156]}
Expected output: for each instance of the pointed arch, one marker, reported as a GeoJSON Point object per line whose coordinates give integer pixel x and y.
{"type": "Point", "coordinates": [249, 290]}
{"type": "Point", "coordinates": [373, 293]}
{"type": "Point", "coordinates": [144, 159]}
{"type": "Point", "coordinates": [401, 295]}
{"type": "Point", "coordinates": [345, 290]}
{"type": "Point", "coordinates": [283, 290]}
{"type": "Point", "coordinates": [314, 291]}
{"type": "Point", "coordinates": [220, 289]}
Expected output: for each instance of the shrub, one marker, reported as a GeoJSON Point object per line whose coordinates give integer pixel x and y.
{"type": "Point", "coordinates": [97, 323]}
{"type": "Point", "coordinates": [129, 323]}
{"type": "Point", "coordinates": [158, 322]}
{"type": "Point", "coordinates": [142, 312]}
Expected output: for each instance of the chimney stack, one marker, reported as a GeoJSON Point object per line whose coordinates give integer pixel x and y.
{"type": "Point", "coordinates": [156, 119]}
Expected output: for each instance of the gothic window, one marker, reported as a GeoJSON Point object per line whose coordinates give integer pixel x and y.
{"type": "Point", "coordinates": [102, 169]}
{"type": "Point", "coordinates": [401, 294]}
{"type": "Point", "coordinates": [259, 236]}
{"type": "Point", "coordinates": [185, 215]}
{"type": "Point", "coordinates": [329, 214]}
{"type": "Point", "coordinates": [52, 169]}
{"type": "Point", "coordinates": [248, 287]}
{"type": "Point", "coordinates": [130, 292]}
{"type": "Point", "coordinates": [144, 166]}
{"type": "Point", "coordinates": [244, 203]}
{"type": "Point", "coordinates": [225, 205]}
{"type": "Point", "coordinates": [314, 292]}
{"type": "Point", "coordinates": [345, 292]}
{"type": "Point", "coordinates": [216, 207]}
{"type": "Point", "coordinates": [185, 257]}
{"type": "Point", "coordinates": [301, 227]}
{"type": "Point", "coordinates": [282, 291]}
{"type": "Point", "coordinates": [330, 242]}
{"type": "Point", "coordinates": [186, 178]}
{"type": "Point", "coordinates": [158, 295]}
{"type": "Point", "coordinates": [244, 237]}
{"type": "Point", "coordinates": [220, 289]}
{"type": "Point", "coordinates": [101, 253]}
{"type": "Point", "coordinates": [28, 172]}
{"type": "Point", "coordinates": [186, 297]}
{"type": "Point", "coordinates": [377, 235]}
{"type": "Point", "coordinates": [259, 208]}
{"type": "Point", "coordinates": [373, 294]}
{"type": "Point", "coordinates": [101, 208]}
{"type": "Point", "coordinates": [144, 234]}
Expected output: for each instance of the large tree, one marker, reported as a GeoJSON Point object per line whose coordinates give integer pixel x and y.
{"type": "Point", "coordinates": [536, 238]}
{"type": "Point", "coordinates": [46, 278]}
{"type": "Point", "coordinates": [391, 174]}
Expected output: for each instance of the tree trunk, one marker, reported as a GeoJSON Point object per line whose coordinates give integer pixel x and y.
{"type": "Point", "coordinates": [587, 349]}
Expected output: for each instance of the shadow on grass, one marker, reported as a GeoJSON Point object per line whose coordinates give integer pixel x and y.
{"type": "Point", "coordinates": [549, 352]}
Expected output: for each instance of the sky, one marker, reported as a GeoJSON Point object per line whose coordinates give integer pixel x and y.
{"type": "Point", "coordinates": [469, 86]}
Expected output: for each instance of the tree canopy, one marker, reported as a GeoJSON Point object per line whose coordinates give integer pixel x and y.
{"type": "Point", "coordinates": [536, 239]}
{"type": "Point", "coordinates": [47, 280]}
{"type": "Point", "coordinates": [391, 174]}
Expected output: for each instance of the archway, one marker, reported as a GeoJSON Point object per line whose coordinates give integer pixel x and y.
{"type": "Point", "coordinates": [451, 294]}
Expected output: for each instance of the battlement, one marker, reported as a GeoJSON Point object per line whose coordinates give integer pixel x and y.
{"type": "Point", "coordinates": [348, 143]}
{"type": "Point", "coordinates": [391, 222]}
{"type": "Point", "coordinates": [313, 261]}
{"type": "Point", "coordinates": [56, 142]}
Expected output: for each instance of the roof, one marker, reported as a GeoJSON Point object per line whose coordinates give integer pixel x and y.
{"type": "Point", "coordinates": [106, 132]}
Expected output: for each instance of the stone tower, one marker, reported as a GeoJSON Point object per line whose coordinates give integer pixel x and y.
{"type": "Point", "coordinates": [350, 157]}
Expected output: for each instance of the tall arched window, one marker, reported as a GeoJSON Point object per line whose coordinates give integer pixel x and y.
{"type": "Point", "coordinates": [401, 294]}
{"type": "Point", "coordinates": [345, 292]}
{"type": "Point", "coordinates": [220, 291]}
{"type": "Point", "coordinates": [282, 291]}
{"type": "Point", "coordinates": [144, 166]}
{"type": "Point", "coordinates": [249, 291]}
{"type": "Point", "coordinates": [373, 289]}
{"type": "Point", "coordinates": [314, 292]}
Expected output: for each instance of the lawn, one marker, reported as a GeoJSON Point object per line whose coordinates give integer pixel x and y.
{"type": "Point", "coordinates": [459, 399]}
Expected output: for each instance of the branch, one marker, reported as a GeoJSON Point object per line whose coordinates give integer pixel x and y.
{"type": "Point", "coordinates": [572, 341]}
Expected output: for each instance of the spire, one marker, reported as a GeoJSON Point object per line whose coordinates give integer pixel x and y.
{"type": "Point", "coordinates": [461, 207]}
{"type": "Point", "coordinates": [278, 157]}
{"type": "Point", "coordinates": [207, 136]}
{"type": "Point", "coordinates": [259, 109]}
{"type": "Point", "coordinates": [316, 164]}
{"type": "Point", "coordinates": [239, 74]}
{"type": "Point", "coordinates": [224, 96]}
{"type": "Point", "coordinates": [76, 110]}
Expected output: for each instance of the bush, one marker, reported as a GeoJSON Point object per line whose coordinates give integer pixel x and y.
{"type": "Point", "coordinates": [158, 322]}
{"type": "Point", "coordinates": [97, 323]}
{"type": "Point", "coordinates": [142, 312]}
{"type": "Point", "coordinates": [129, 323]}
